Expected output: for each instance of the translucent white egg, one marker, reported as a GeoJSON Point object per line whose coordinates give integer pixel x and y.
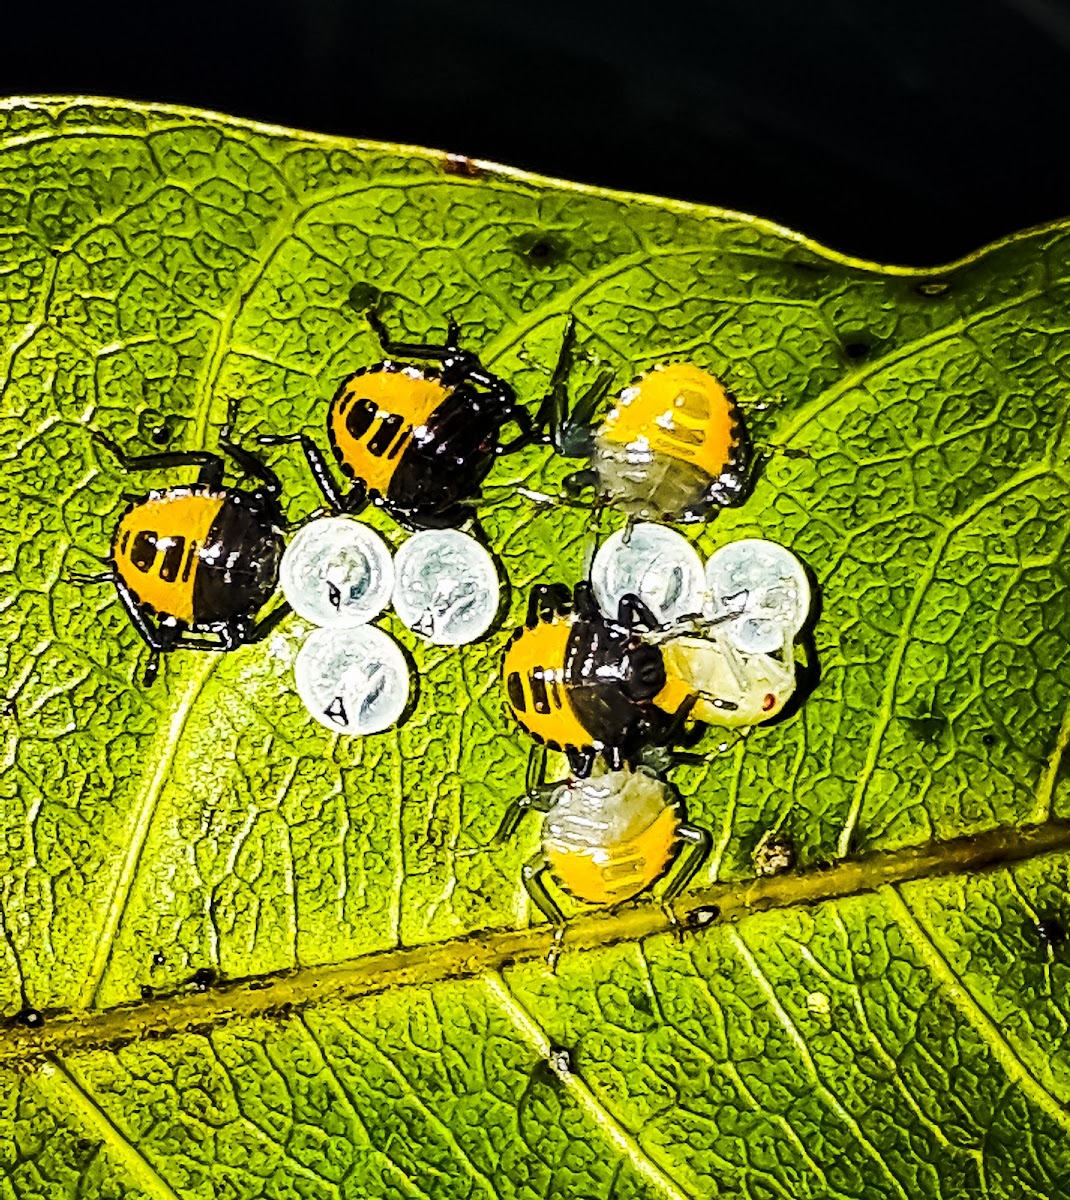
{"type": "Point", "coordinates": [337, 572]}
{"type": "Point", "coordinates": [446, 586]}
{"type": "Point", "coordinates": [353, 681]}
{"type": "Point", "coordinates": [656, 564]}
{"type": "Point", "coordinates": [768, 583]}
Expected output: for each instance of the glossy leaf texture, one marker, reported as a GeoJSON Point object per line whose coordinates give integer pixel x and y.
{"type": "Point", "coordinates": [276, 963]}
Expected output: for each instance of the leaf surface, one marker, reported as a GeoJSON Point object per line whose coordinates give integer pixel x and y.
{"type": "Point", "coordinates": [378, 1021]}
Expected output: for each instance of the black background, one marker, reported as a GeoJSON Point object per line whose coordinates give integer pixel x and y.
{"type": "Point", "coordinates": [911, 132]}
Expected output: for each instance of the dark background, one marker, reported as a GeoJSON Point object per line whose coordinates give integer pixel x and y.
{"type": "Point", "coordinates": [909, 132]}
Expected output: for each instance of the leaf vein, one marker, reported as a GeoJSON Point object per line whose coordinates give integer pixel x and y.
{"type": "Point", "coordinates": [611, 1128]}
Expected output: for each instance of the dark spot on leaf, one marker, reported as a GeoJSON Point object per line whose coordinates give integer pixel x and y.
{"type": "Point", "coordinates": [856, 350]}
{"type": "Point", "coordinates": [809, 265]}
{"type": "Point", "coordinates": [157, 427]}
{"type": "Point", "coordinates": [158, 959]}
{"type": "Point", "coordinates": [540, 249]}
{"type": "Point", "coordinates": [1051, 931]}
{"type": "Point", "coordinates": [929, 728]}
{"type": "Point", "coordinates": [204, 978]}
{"type": "Point", "coordinates": [461, 164]}
{"type": "Point", "coordinates": [988, 739]}
{"type": "Point", "coordinates": [31, 1018]}
{"type": "Point", "coordinates": [146, 992]}
{"type": "Point", "coordinates": [83, 1147]}
{"type": "Point", "coordinates": [641, 1001]}
{"type": "Point", "coordinates": [363, 296]}
{"type": "Point", "coordinates": [932, 287]}
{"type": "Point", "coordinates": [774, 854]}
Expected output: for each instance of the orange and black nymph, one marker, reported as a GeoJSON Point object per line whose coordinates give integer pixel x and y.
{"type": "Point", "coordinates": [194, 564]}
{"type": "Point", "coordinates": [417, 440]}
{"type": "Point", "coordinates": [584, 684]}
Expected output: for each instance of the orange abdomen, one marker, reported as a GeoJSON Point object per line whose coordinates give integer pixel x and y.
{"type": "Point", "coordinates": [681, 412]}
{"type": "Point", "coordinates": [536, 687]}
{"type": "Point", "coordinates": [376, 415]}
{"type": "Point", "coordinates": [155, 548]}
{"type": "Point", "coordinates": [618, 872]}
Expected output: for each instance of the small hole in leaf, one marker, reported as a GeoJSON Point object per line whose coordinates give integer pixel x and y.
{"type": "Point", "coordinates": [988, 739]}
{"type": "Point", "coordinates": [146, 992]}
{"type": "Point", "coordinates": [31, 1018]}
{"type": "Point", "coordinates": [158, 959]}
{"type": "Point", "coordinates": [856, 350]}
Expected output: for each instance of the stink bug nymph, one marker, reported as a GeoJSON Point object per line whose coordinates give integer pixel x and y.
{"type": "Point", "coordinates": [194, 564]}
{"type": "Point", "coordinates": [587, 684]}
{"type": "Point", "coordinates": [605, 839]}
{"type": "Point", "coordinates": [417, 440]}
{"type": "Point", "coordinates": [582, 683]}
{"type": "Point", "coordinates": [674, 447]}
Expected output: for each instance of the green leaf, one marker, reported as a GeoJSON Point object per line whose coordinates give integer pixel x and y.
{"type": "Point", "coordinates": [373, 1016]}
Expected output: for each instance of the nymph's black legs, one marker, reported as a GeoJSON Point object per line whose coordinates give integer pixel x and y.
{"type": "Point", "coordinates": [697, 844]}
{"type": "Point", "coordinates": [547, 600]}
{"type": "Point", "coordinates": [84, 579]}
{"type": "Point", "coordinates": [246, 460]}
{"type": "Point", "coordinates": [532, 874]}
{"type": "Point", "coordinates": [211, 465]}
{"type": "Point", "coordinates": [415, 349]}
{"type": "Point", "coordinates": [569, 428]}
{"type": "Point", "coordinates": [632, 612]}
{"type": "Point", "coordinates": [159, 638]}
{"type": "Point", "coordinates": [266, 624]}
{"type": "Point", "coordinates": [539, 795]}
{"type": "Point", "coordinates": [358, 494]}
{"type": "Point", "coordinates": [238, 632]}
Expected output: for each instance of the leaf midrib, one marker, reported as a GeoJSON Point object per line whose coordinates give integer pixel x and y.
{"type": "Point", "coordinates": [279, 994]}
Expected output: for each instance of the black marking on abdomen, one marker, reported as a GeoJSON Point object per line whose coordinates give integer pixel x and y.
{"type": "Point", "coordinates": [191, 555]}
{"type": "Point", "coordinates": [515, 690]}
{"type": "Point", "coordinates": [537, 683]}
{"type": "Point", "coordinates": [380, 441]}
{"type": "Point", "coordinates": [172, 559]}
{"type": "Point", "coordinates": [143, 551]}
{"type": "Point", "coordinates": [359, 418]}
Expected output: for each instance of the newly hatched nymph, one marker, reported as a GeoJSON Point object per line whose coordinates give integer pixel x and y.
{"type": "Point", "coordinates": [674, 447]}
{"type": "Point", "coordinates": [723, 686]}
{"type": "Point", "coordinates": [605, 839]}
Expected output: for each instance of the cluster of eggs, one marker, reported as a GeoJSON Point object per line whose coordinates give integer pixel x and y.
{"type": "Point", "coordinates": [339, 574]}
